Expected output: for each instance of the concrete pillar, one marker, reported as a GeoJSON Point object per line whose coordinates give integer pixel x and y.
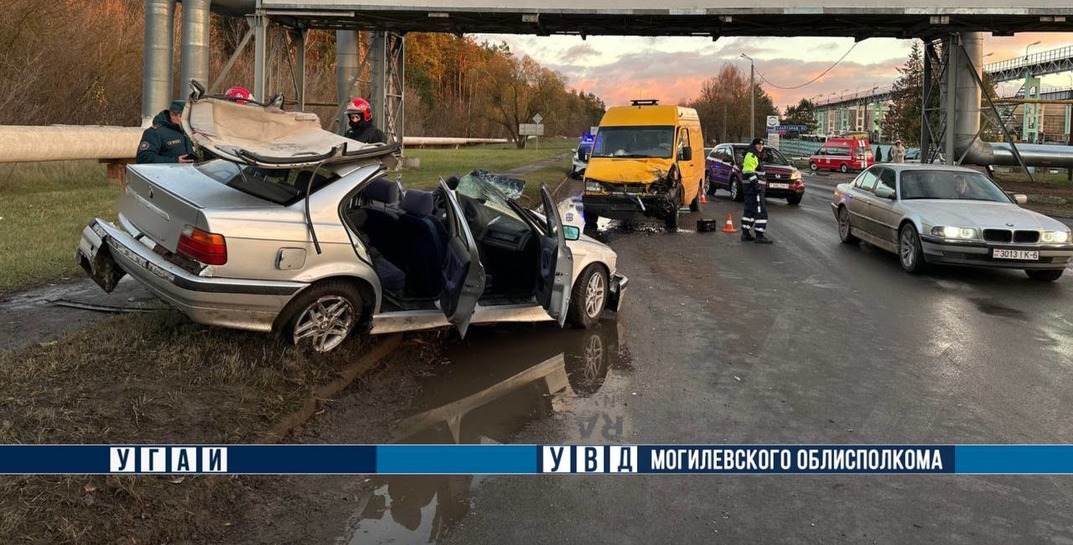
{"type": "Point", "coordinates": [156, 58]}
{"type": "Point", "coordinates": [260, 56]}
{"type": "Point", "coordinates": [346, 71]}
{"type": "Point", "coordinates": [195, 44]}
{"type": "Point", "coordinates": [378, 77]}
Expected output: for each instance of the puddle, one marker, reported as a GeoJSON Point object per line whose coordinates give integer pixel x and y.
{"type": "Point", "coordinates": [494, 384]}
{"type": "Point", "coordinates": [989, 306]}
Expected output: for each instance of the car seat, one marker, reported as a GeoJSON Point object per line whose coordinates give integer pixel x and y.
{"type": "Point", "coordinates": [426, 241]}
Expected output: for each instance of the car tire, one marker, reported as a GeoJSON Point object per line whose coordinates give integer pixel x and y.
{"type": "Point", "coordinates": [695, 205]}
{"type": "Point", "coordinates": [709, 187]}
{"type": "Point", "coordinates": [1044, 275]}
{"type": "Point", "coordinates": [910, 253]}
{"type": "Point", "coordinates": [307, 327]}
{"type": "Point", "coordinates": [813, 166]}
{"type": "Point", "coordinates": [671, 221]}
{"type": "Point", "coordinates": [845, 231]}
{"type": "Point", "coordinates": [589, 297]}
{"type": "Point", "coordinates": [794, 199]}
{"type": "Point", "coordinates": [844, 168]}
{"type": "Point", "coordinates": [735, 190]}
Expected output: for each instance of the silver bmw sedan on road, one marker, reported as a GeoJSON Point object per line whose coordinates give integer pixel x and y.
{"type": "Point", "coordinates": [949, 215]}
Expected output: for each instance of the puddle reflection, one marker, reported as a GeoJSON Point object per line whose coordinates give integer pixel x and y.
{"type": "Point", "coordinates": [498, 381]}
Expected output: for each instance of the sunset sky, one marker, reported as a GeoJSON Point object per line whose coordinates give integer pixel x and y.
{"type": "Point", "coordinates": [671, 69]}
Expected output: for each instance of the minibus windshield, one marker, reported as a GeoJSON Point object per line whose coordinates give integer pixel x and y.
{"type": "Point", "coordinates": [634, 142]}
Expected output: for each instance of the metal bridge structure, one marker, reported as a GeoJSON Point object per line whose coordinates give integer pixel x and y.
{"type": "Point", "coordinates": [279, 26]}
{"type": "Point", "coordinates": [862, 110]}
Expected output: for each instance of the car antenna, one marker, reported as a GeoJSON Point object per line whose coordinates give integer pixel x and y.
{"type": "Point", "coordinates": [309, 220]}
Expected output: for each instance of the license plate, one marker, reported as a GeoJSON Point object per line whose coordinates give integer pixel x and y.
{"type": "Point", "coordinates": [1020, 255]}
{"type": "Point", "coordinates": [778, 186]}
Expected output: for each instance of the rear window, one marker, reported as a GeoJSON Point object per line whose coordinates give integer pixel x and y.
{"type": "Point", "coordinates": [280, 186]}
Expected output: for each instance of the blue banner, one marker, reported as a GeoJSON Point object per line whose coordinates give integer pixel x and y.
{"type": "Point", "coordinates": [535, 459]}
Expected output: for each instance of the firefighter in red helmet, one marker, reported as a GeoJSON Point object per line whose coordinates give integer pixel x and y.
{"type": "Point", "coordinates": [361, 128]}
{"type": "Point", "coordinates": [239, 94]}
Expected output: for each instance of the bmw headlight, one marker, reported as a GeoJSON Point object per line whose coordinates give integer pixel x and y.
{"type": "Point", "coordinates": [795, 175]}
{"type": "Point", "coordinates": [594, 186]}
{"type": "Point", "coordinates": [1057, 237]}
{"type": "Point", "coordinates": [953, 232]}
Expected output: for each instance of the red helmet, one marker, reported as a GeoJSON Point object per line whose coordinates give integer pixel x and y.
{"type": "Point", "coordinates": [358, 105]}
{"type": "Point", "coordinates": [239, 94]}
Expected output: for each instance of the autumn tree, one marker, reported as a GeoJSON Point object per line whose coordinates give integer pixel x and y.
{"type": "Point", "coordinates": [724, 104]}
{"type": "Point", "coordinates": [802, 113]}
{"type": "Point", "coordinates": [903, 115]}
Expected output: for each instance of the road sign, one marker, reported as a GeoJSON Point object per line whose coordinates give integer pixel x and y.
{"type": "Point", "coordinates": [530, 129]}
{"type": "Point", "coordinates": [537, 118]}
{"type": "Point", "coordinates": [772, 121]}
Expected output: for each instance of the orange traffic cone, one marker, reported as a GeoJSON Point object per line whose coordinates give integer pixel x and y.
{"type": "Point", "coordinates": [729, 226]}
{"type": "Point", "coordinates": [703, 196]}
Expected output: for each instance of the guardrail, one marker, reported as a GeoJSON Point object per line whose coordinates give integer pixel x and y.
{"type": "Point", "coordinates": [31, 144]}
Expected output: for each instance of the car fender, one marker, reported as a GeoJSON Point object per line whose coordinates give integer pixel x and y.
{"type": "Point", "coordinates": [587, 252]}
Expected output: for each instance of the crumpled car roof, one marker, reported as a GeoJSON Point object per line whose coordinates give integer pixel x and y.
{"type": "Point", "coordinates": [268, 136]}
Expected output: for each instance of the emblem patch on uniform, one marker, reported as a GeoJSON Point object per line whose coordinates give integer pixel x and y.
{"type": "Point", "coordinates": [143, 146]}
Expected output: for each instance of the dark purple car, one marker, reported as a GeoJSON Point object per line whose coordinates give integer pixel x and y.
{"type": "Point", "coordinates": [723, 171]}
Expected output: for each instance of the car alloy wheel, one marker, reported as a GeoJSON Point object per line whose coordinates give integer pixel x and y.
{"type": "Point", "coordinates": [735, 190]}
{"type": "Point", "coordinates": [843, 169]}
{"type": "Point", "coordinates": [844, 231]}
{"type": "Point", "coordinates": [909, 252]}
{"type": "Point", "coordinates": [325, 323]}
{"type": "Point", "coordinates": [595, 294]}
{"type": "Point", "coordinates": [813, 167]}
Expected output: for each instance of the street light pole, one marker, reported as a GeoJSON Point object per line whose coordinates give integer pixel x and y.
{"type": "Point", "coordinates": [752, 97]}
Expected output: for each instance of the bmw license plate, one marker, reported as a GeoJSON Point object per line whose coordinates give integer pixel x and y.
{"type": "Point", "coordinates": [778, 186]}
{"type": "Point", "coordinates": [1019, 255]}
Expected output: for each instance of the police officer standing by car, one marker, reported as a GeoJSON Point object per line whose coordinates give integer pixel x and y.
{"type": "Point", "coordinates": [165, 141]}
{"type": "Point", "coordinates": [754, 217]}
{"type": "Point", "coordinates": [360, 114]}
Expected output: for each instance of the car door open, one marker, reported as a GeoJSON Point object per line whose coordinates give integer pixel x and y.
{"type": "Point", "coordinates": [463, 273]}
{"type": "Point", "coordinates": [556, 263]}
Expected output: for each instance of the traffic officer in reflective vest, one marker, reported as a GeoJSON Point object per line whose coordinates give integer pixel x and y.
{"type": "Point", "coordinates": [754, 217]}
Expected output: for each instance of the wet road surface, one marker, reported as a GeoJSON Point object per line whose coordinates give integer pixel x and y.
{"type": "Point", "coordinates": [719, 341]}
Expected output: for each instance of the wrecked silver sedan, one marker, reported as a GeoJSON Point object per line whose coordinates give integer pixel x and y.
{"type": "Point", "coordinates": [296, 230]}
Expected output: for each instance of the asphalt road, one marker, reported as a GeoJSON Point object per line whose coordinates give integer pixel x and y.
{"type": "Point", "coordinates": [805, 341]}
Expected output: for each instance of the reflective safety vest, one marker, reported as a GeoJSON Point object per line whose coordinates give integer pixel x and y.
{"type": "Point", "coordinates": [750, 163]}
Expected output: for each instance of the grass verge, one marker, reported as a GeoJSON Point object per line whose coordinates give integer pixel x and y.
{"type": "Point", "coordinates": [172, 382]}
{"type": "Point", "coordinates": [43, 208]}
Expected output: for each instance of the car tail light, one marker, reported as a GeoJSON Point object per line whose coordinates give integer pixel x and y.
{"type": "Point", "coordinates": [208, 248]}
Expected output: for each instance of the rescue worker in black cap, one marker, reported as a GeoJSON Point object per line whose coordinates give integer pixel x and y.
{"type": "Point", "coordinates": [754, 217]}
{"type": "Point", "coordinates": [165, 141]}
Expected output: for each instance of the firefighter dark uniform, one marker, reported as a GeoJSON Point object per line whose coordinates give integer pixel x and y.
{"type": "Point", "coordinates": [754, 216]}
{"type": "Point", "coordinates": [366, 133]}
{"type": "Point", "coordinates": [164, 141]}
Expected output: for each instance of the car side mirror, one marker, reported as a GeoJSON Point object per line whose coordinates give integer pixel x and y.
{"type": "Point", "coordinates": [1020, 198]}
{"type": "Point", "coordinates": [686, 154]}
{"type": "Point", "coordinates": [571, 232]}
{"type": "Point", "coordinates": [884, 192]}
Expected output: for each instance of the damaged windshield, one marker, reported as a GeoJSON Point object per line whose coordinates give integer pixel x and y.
{"type": "Point", "coordinates": [280, 186]}
{"type": "Point", "coordinates": [637, 142]}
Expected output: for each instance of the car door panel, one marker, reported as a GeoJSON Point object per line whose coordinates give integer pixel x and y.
{"type": "Point", "coordinates": [463, 274]}
{"type": "Point", "coordinates": [556, 263]}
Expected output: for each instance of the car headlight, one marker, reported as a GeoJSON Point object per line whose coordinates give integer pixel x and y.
{"type": "Point", "coordinates": [594, 186]}
{"type": "Point", "coordinates": [1059, 237]}
{"type": "Point", "coordinates": [953, 232]}
{"type": "Point", "coordinates": [795, 175]}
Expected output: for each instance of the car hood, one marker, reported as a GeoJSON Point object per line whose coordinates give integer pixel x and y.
{"type": "Point", "coordinates": [980, 214]}
{"type": "Point", "coordinates": [606, 169]}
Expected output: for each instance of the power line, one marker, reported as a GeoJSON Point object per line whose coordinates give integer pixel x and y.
{"type": "Point", "coordinates": [813, 80]}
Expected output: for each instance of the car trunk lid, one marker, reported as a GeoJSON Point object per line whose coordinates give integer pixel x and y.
{"type": "Point", "coordinates": [161, 200]}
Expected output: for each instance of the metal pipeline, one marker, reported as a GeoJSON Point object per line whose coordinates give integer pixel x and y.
{"type": "Point", "coordinates": [156, 62]}
{"type": "Point", "coordinates": [195, 43]}
{"type": "Point", "coordinates": [967, 120]}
